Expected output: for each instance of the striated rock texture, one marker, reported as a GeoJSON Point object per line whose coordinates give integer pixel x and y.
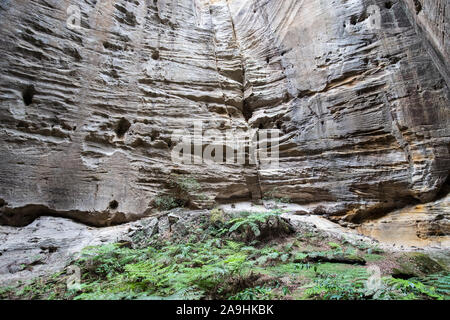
{"type": "Point", "coordinates": [87, 115]}
{"type": "Point", "coordinates": [353, 105]}
{"type": "Point", "coordinates": [419, 225]}
{"type": "Point", "coordinates": [431, 20]}
{"type": "Point", "coordinates": [49, 244]}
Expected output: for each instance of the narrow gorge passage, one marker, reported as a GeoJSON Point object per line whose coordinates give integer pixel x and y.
{"type": "Point", "coordinates": [316, 129]}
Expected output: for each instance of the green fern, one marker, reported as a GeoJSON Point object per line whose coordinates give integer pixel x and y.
{"type": "Point", "coordinates": [411, 289]}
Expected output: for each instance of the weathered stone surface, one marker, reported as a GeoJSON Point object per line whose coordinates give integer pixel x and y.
{"type": "Point", "coordinates": [49, 244]}
{"type": "Point", "coordinates": [352, 103]}
{"type": "Point", "coordinates": [423, 224]}
{"type": "Point", "coordinates": [431, 20]}
{"type": "Point", "coordinates": [87, 116]}
{"type": "Point", "coordinates": [106, 99]}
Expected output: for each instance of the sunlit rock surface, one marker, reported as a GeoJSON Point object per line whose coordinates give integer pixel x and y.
{"type": "Point", "coordinates": [87, 115]}
{"type": "Point", "coordinates": [423, 224]}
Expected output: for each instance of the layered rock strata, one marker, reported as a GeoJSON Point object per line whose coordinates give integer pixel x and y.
{"type": "Point", "coordinates": [358, 90]}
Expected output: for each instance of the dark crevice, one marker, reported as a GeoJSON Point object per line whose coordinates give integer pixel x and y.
{"type": "Point", "coordinates": [28, 94]}
{"type": "Point", "coordinates": [23, 216]}
{"type": "Point", "coordinates": [418, 6]}
{"type": "Point", "coordinates": [444, 191]}
{"type": "Point", "coordinates": [247, 111]}
{"type": "Point", "coordinates": [113, 205]}
{"type": "Point", "coordinates": [122, 127]}
{"type": "Point", "coordinates": [383, 210]}
{"type": "Point", "coordinates": [242, 195]}
{"type": "Point", "coordinates": [404, 275]}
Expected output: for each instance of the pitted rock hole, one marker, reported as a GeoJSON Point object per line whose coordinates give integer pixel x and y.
{"type": "Point", "coordinates": [155, 55]}
{"type": "Point", "coordinates": [122, 127]}
{"type": "Point", "coordinates": [28, 94]}
{"type": "Point", "coordinates": [418, 6]}
{"type": "Point", "coordinates": [113, 205]}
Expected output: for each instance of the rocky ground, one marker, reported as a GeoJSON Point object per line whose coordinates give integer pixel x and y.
{"type": "Point", "coordinates": [91, 116]}
{"type": "Point", "coordinates": [245, 252]}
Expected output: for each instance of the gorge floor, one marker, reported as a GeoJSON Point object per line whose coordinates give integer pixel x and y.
{"type": "Point", "coordinates": [239, 256]}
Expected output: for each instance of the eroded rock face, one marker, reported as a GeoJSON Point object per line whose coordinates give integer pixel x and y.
{"type": "Point", "coordinates": [49, 244]}
{"type": "Point", "coordinates": [352, 104]}
{"type": "Point", "coordinates": [88, 114]}
{"type": "Point", "coordinates": [431, 20]}
{"type": "Point", "coordinates": [420, 225]}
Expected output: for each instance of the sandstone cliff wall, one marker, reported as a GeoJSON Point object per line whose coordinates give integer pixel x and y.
{"type": "Point", "coordinates": [87, 115]}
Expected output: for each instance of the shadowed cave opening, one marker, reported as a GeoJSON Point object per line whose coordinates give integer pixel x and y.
{"type": "Point", "coordinates": [113, 205]}
{"type": "Point", "coordinates": [122, 127]}
{"type": "Point", "coordinates": [418, 6]}
{"type": "Point", "coordinates": [28, 94]}
{"type": "Point", "coordinates": [445, 189]}
{"type": "Point", "coordinates": [247, 111]}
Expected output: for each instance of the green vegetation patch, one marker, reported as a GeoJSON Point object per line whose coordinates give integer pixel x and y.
{"type": "Point", "coordinates": [248, 256]}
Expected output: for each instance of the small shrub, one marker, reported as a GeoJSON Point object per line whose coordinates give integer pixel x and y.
{"type": "Point", "coordinates": [181, 190]}
{"type": "Point", "coordinates": [408, 289]}
{"type": "Point", "coordinates": [256, 293]}
{"type": "Point", "coordinates": [256, 226]}
{"type": "Point", "coordinates": [332, 287]}
{"type": "Point", "coordinates": [186, 183]}
{"type": "Point", "coordinates": [217, 217]}
{"type": "Point", "coordinates": [166, 203]}
{"type": "Point", "coordinates": [272, 196]}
